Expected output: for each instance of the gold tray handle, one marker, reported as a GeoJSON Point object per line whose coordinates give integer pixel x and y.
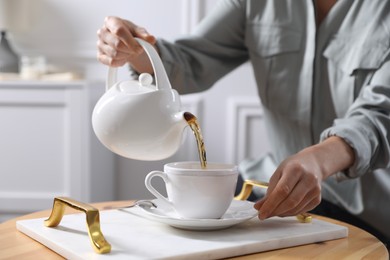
{"type": "Point", "coordinates": [247, 190]}
{"type": "Point", "coordinates": [99, 243]}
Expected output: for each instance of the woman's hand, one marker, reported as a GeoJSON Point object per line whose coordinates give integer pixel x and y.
{"type": "Point", "coordinates": [117, 46]}
{"type": "Point", "coordinates": [295, 187]}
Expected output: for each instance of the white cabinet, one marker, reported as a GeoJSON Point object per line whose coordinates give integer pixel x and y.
{"type": "Point", "coordinates": [48, 148]}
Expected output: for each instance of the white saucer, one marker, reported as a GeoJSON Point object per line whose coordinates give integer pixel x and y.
{"type": "Point", "coordinates": [238, 212]}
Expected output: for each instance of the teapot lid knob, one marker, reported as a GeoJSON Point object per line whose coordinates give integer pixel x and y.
{"type": "Point", "coordinates": [145, 79]}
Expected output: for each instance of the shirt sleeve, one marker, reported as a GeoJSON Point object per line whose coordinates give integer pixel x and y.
{"type": "Point", "coordinates": [366, 126]}
{"type": "Point", "coordinates": [196, 62]}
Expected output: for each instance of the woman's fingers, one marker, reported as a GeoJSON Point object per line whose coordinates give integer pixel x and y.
{"type": "Point", "coordinates": [308, 202]}
{"type": "Point", "coordinates": [294, 188]}
{"type": "Point", "coordinates": [126, 32]}
{"type": "Point", "coordinates": [279, 190]}
{"type": "Point", "coordinates": [117, 44]}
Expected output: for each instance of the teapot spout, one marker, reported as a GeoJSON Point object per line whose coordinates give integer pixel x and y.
{"type": "Point", "coordinates": [186, 119]}
{"type": "Point", "coordinates": [189, 117]}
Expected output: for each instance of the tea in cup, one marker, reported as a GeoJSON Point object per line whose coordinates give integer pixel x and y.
{"type": "Point", "coordinates": [195, 192]}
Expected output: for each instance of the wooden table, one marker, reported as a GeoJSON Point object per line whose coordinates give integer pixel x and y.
{"type": "Point", "coordinates": [358, 245]}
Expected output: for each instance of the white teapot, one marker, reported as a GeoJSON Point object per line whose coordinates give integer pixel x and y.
{"type": "Point", "coordinates": [137, 119]}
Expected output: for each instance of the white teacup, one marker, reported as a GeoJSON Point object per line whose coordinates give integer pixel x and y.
{"type": "Point", "coordinates": [195, 192]}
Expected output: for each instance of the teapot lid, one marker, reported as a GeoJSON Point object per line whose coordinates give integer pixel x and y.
{"type": "Point", "coordinates": [142, 85]}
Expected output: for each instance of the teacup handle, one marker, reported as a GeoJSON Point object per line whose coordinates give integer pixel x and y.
{"type": "Point", "coordinates": [161, 77]}
{"type": "Point", "coordinates": [149, 186]}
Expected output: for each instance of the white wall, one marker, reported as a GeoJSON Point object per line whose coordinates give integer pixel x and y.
{"type": "Point", "coordinates": [229, 113]}
{"type": "Point", "coordinates": [65, 31]}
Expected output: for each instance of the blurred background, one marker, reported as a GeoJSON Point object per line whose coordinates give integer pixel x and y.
{"type": "Point", "coordinates": [47, 147]}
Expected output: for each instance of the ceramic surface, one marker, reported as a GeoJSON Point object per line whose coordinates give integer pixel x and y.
{"type": "Point", "coordinates": [194, 192]}
{"type": "Point", "coordinates": [137, 119]}
{"type": "Point", "coordinates": [238, 212]}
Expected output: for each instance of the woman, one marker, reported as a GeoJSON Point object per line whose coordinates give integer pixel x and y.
{"type": "Point", "coordinates": [323, 74]}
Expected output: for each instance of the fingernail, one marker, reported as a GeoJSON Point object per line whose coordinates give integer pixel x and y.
{"type": "Point", "coordinates": [263, 215]}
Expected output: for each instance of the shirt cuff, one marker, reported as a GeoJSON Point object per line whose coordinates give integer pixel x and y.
{"type": "Point", "coordinates": [360, 148]}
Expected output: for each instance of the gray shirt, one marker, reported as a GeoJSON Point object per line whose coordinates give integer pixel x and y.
{"type": "Point", "coordinates": [313, 83]}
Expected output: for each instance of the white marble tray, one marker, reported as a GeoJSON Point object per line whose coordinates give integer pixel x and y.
{"type": "Point", "coordinates": [135, 237]}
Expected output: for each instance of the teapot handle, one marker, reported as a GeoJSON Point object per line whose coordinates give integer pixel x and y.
{"type": "Point", "coordinates": [161, 77]}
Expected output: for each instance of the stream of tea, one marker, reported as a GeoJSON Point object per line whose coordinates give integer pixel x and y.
{"type": "Point", "coordinates": [194, 125]}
